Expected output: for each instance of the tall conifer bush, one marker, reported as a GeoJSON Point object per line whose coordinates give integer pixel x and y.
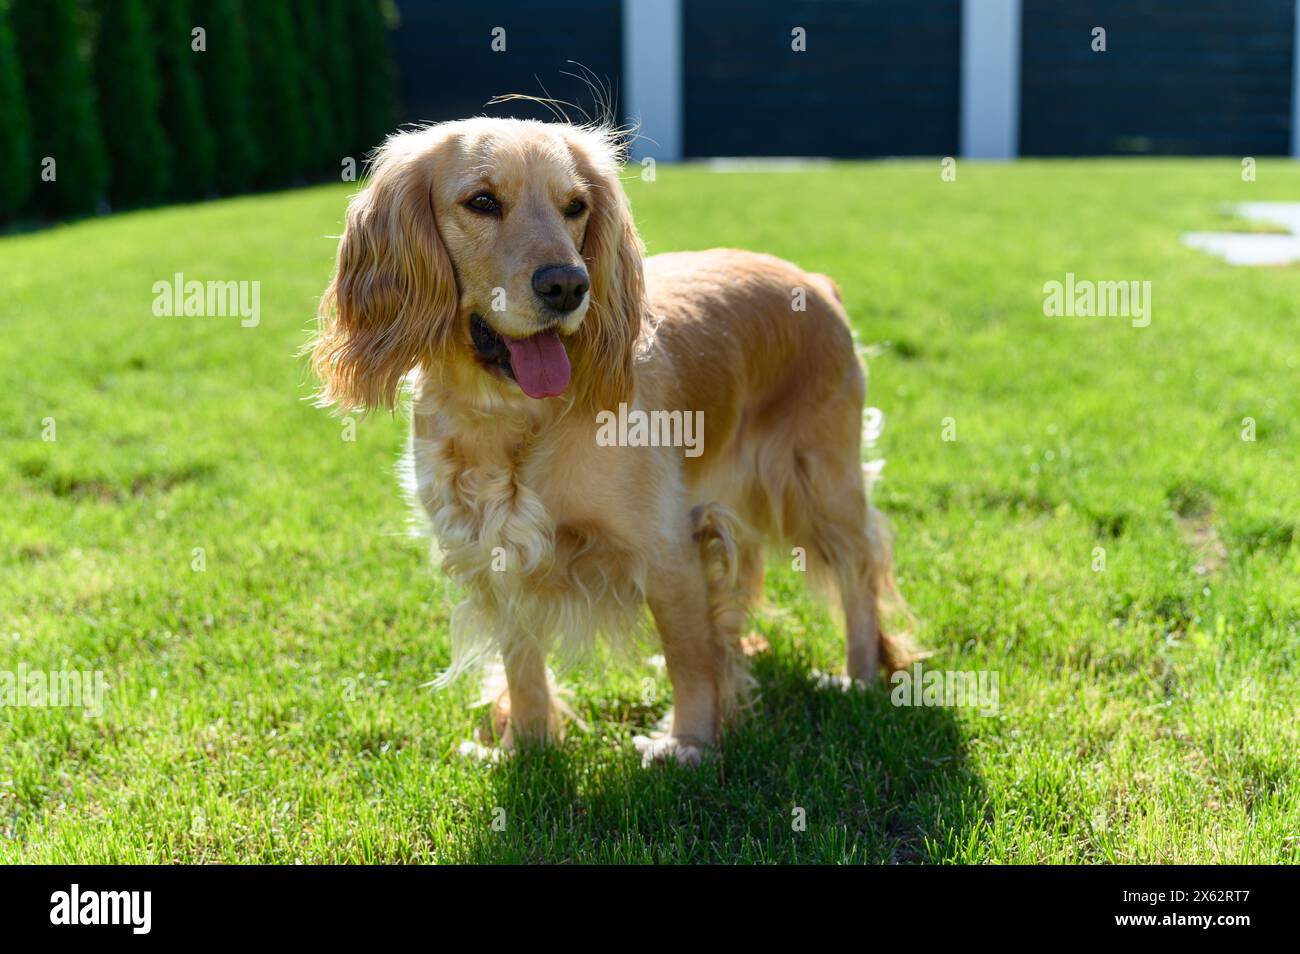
{"type": "Point", "coordinates": [66, 140]}
{"type": "Point", "coordinates": [374, 103]}
{"type": "Point", "coordinates": [279, 121]}
{"type": "Point", "coordinates": [225, 75]}
{"type": "Point", "coordinates": [130, 97]}
{"type": "Point", "coordinates": [18, 169]}
{"type": "Point", "coordinates": [184, 118]}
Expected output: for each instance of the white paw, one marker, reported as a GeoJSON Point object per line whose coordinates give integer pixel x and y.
{"type": "Point", "coordinates": [469, 749]}
{"type": "Point", "coordinates": [667, 748]}
{"type": "Point", "coordinates": [841, 681]}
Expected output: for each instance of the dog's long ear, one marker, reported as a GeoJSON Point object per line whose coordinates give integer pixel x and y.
{"type": "Point", "coordinates": [392, 304]}
{"type": "Point", "coordinates": [613, 253]}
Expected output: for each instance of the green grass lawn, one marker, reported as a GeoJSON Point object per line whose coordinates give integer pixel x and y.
{"type": "Point", "coordinates": [270, 707]}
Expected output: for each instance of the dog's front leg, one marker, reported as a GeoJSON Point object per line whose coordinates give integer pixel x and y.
{"type": "Point", "coordinates": [533, 717]}
{"type": "Point", "coordinates": [678, 598]}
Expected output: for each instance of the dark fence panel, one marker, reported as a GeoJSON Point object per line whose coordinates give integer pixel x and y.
{"type": "Point", "coordinates": [1190, 77]}
{"type": "Point", "coordinates": [447, 68]}
{"type": "Point", "coordinates": [879, 77]}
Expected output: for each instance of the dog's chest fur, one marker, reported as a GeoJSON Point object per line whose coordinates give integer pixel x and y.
{"type": "Point", "coordinates": [521, 517]}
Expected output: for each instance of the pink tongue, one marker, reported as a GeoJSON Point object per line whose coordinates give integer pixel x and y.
{"type": "Point", "coordinates": [540, 364]}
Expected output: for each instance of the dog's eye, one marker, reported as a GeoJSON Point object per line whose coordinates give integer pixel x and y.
{"type": "Point", "coordinates": [574, 208]}
{"type": "Point", "coordinates": [484, 202]}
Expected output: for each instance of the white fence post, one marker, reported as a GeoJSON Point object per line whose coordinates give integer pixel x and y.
{"type": "Point", "coordinates": [1295, 84]}
{"type": "Point", "coordinates": [652, 76]}
{"type": "Point", "coordinates": [990, 79]}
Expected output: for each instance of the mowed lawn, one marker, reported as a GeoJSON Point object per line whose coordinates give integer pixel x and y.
{"type": "Point", "coordinates": [270, 706]}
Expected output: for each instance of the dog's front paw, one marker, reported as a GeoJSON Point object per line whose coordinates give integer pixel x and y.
{"type": "Point", "coordinates": [841, 682]}
{"type": "Point", "coordinates": [661, 749]}
{"type": "Point", "coordinates": [476, 752]}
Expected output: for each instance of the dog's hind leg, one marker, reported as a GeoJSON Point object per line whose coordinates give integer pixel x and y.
{"type": "Point", "coordinates": [864, 576]}
{"type": "Point", "coordinates": [852, 549]}
{"type": "Point", "coordinates": [861, 631]}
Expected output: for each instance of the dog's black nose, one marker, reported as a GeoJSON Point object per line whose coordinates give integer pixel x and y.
{"type": "Point", "coordinates": [561, 286]}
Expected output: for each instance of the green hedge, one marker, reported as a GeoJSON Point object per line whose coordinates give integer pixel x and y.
{"type": "Point", "coordinates": [187, 123]}
{"type": "Point", "coordinates": [130, 97]}
{"type": "Point", "coordinates": [336, 62]}
{"type": "Point", "coordinates": [279, 107]}
{"type": "Point", "coordinates": [373, 74]}
{"type": "Point", "coordinates": [17, 161]}
{"type": "Point", "coordinates": [226, 76]}
{"type": "Point", "coordinates": [318, 109]}
{"type": "Point", "coordinates": [142, 101]}
{"type": "Point", "coordinates": [52, 50]}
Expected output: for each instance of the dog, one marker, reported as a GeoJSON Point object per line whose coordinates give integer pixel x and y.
{"type": "Point", "coordinates": [493, 267]}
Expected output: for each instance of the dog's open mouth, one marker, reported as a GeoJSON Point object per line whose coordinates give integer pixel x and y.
{"type": "Point", "coordinates": [538, 364]}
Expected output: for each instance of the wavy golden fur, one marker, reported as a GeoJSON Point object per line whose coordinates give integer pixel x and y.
{"type": "Point", "coordinates": [553, 534]}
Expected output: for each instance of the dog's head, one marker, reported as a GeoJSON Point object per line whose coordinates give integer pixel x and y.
{"type": "Point", "coordinates": [496, 254]}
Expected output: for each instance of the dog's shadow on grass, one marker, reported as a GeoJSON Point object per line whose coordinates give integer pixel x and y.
{"type": "Point", "coordinates": [812, 775]}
